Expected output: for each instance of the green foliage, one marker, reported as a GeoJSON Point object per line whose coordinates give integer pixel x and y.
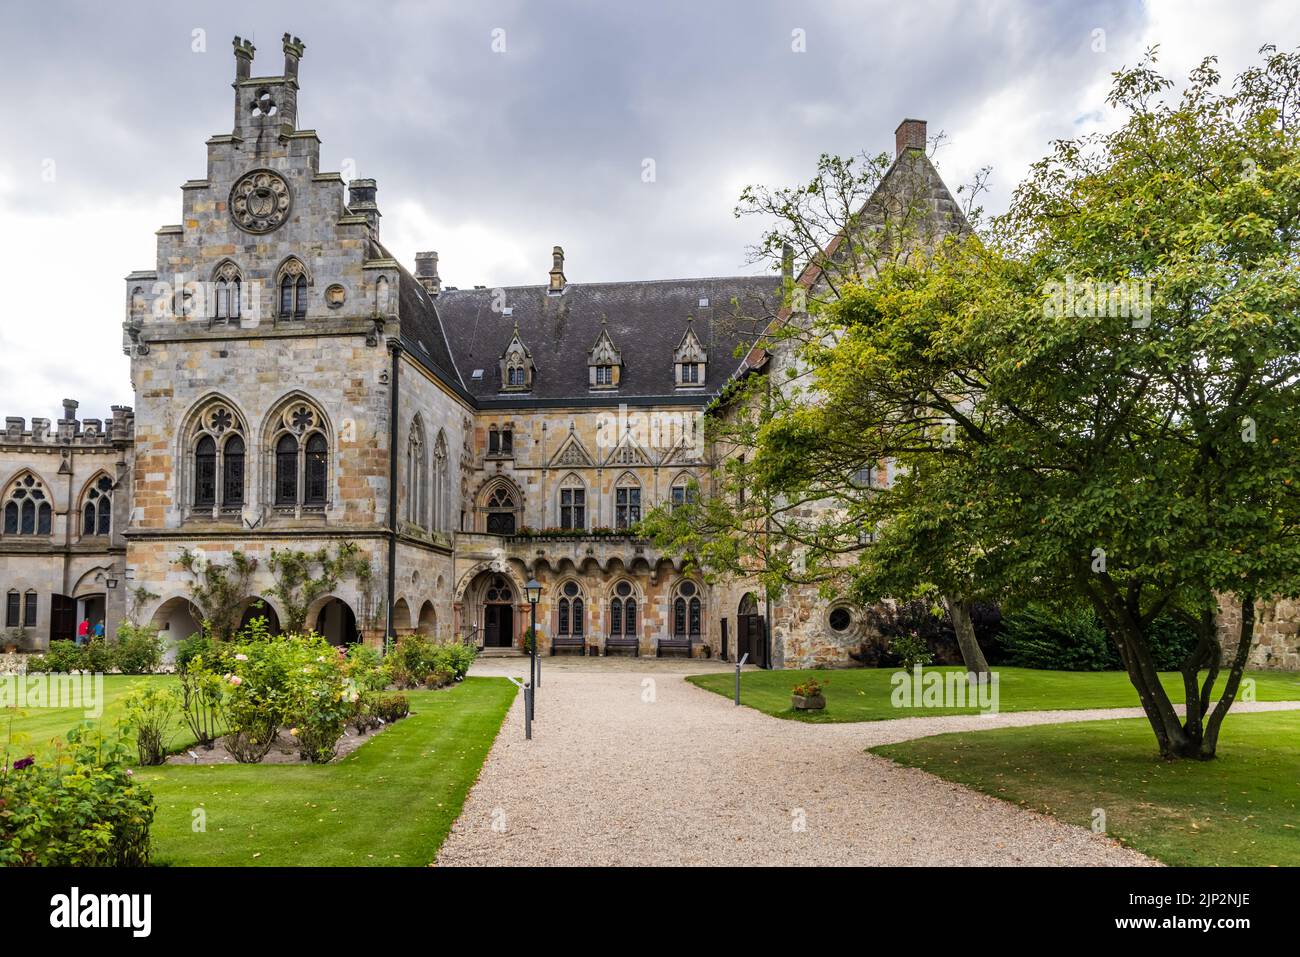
{"type": "Point", "coordinates": [61, 658]}
{"type": "Point", "coordinates": [910, 650]}
{"type": "Point", "coordinates": [200, 665]}
{"type": "Point", "coordinates": [417, 661]}
{"type": "Point", "coordinates": [220, 589]}
{"type": "Point", "coordinates": [810, 688]}
{"type": "Point", "coordinates": [81, 809]}
{"type": "Point", "coordinates": [302, 577]}
{"type": "Point", "coordinates": [391, 707]}
{"type": "Point", "coordinates": [1067, 640]}
{"type": "Point", "coordinates": [139, 650]}
{"type": "Point", "coordinates": [151, 714]}
{"type": "Point", "coordinates": [1073, 639]}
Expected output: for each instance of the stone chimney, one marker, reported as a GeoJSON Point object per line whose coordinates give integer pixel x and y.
{"type": "Point", "coordinates": [293, 50]}
{"type": "Point", "coordinates": [361, 200]}
{"type": "Point", "coordinates": [910, 135]}
{"type": "Point", "coordinates": [426, 270]}
{"type": "Point", "coordinates": [558, 281]}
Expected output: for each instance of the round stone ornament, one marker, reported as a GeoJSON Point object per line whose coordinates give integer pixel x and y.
{"type": "Point", "coordinates": [260, 201]}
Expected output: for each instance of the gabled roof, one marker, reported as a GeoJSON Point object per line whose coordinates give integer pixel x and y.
{"type": "Point", "coordinates": [646, 319]}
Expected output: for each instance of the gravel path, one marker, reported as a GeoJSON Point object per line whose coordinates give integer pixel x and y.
{"type": "Point", "coordinates": [633, 765]}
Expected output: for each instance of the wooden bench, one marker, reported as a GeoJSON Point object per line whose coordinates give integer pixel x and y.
{"type": "Point", "coordinates": [572, 642]}
{"type": "Point", "coordinates": [623, 644]}
{"type": "Point", "coordinates": [673, 644]}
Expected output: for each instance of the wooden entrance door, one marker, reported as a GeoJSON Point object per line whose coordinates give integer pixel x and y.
{"type": "Point", "coordinates": [751, 639]}
{"type": "Point", "coordinates": [498, 626]}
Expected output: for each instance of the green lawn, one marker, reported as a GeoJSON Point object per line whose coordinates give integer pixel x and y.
{"type": "Point", "coordinates": [863, 694]}
{"type": "Point", "coordinates": [391, 802]}
{"type": "Point", "coordinates": [1243, 808]}
{"type": "Point", "coordinates": [35, 730]}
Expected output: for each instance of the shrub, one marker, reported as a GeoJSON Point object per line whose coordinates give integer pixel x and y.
{"type": "Point", "coordinates": [416, 660]}
{"type": "Point", "coordinates": [391, 707]}
{"type": "Point", "coordinates": [891, 620]}
{"type": "Point", "coordinates": [83, 808]}
{"type": "Point", "coordinates": [910, 650]}
{"type": "Point", "coordinates": [139, 650]}
{"type": "Point", "coordinates": [201, 695]}
{"type": "Point", "coordinates": [192, 647]}
{"type": "Point", "coordinates": [439, 677]}
{"type": "Point", "coordinates": [63, 656]}
{"type": "Point", "coordinates": [1069, 639]}
{"type": "Point", "coordinates": [98, 656]}
{"type": "Point", "coordinates": [151, 714]}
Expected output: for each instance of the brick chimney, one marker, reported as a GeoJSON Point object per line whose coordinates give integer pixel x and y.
{"type": "Point", "coordinates": [910, 135]}
{"type": "Point", "coordinates": [426, 270]}
{"type": "Point", "coordinates": [558, 281]}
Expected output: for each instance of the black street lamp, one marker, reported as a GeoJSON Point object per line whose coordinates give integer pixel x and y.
{"type": "Point", "coordinates": [533, 589]}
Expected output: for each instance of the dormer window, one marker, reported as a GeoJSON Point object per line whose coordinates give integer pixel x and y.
{"type": "Point", "coordinates": [690, 359]}
{"type": "Point", "coordinates": [516, 365]}
{"type": "Point", "coordinates": [604, 362]}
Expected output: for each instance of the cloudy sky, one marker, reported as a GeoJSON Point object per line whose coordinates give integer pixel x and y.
{"type": "Point", "coordinates": [492, 156]}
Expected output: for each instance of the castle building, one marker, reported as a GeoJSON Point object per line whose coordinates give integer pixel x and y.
{"type": "Point", "coordinates": [297, 388]}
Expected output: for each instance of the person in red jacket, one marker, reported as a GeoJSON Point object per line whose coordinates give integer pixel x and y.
{"type": "Point", "coordinates": [83, 631]}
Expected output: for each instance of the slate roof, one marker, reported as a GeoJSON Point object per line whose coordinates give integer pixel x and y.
{"type": "Point", "coordinates": [646, 321]}
{"type": "Point", "coordinates": [422, 332]}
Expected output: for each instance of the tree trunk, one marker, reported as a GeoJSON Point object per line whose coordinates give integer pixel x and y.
{"type": "Point", "coordinates": [971, 654]}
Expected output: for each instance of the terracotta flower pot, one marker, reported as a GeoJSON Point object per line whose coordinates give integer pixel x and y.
{"type": "Point", "coordinates": [808, 702]}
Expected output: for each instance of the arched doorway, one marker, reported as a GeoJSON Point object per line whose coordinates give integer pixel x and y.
{"type": "Point", "coordinates": [501, 509]}
{"type": "Point", "coordinates": [337, 623]}
{"type": "Point", "coordinates": [498, 613]}
{"type": "Point", "coordinates": [176, 619]}
{"type": "Point", "coordinates": [257, 608]}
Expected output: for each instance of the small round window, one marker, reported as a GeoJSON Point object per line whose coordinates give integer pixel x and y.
{"type": "Point", "coordinates": [571, 589]}
{"type": "Point", "coordinates": [687, 589]}
{"type": "Point", "coordinates": [623, 589]}
{"type": "Point", "coordinates": [840, 619]}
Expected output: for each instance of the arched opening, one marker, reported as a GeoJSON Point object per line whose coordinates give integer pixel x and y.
{"type": "Point", "coordinates": [90, 612]}
{"type": "Point", "coordinates": [497, 616]}
{"type": "Point", "coordinates": [176, 619]}
{"type": "Point", "coordinates": [501, 507]}
{"type": "Point", "coordinates": [337, 623]}
{"type": "Point", "coordinates": [428, 620]}
{"type": "Point", "coordinates": [751, 631]}
{"type": "Point", "coordinates": [257, 608]}
{"type": "Point", "coordinates": [402, 617]}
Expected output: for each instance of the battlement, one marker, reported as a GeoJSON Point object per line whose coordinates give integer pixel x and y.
{"type": "Point", "coordinates": [71, 431]}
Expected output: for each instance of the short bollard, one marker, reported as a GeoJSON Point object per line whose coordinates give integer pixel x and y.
{"type": "Point", "coordinates": [738, 664]}
{"type": "Point", "coordinates": [528, 711]}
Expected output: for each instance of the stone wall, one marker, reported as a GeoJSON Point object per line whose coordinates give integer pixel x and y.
{"type": "Point", "coordinates": [1277, 634]}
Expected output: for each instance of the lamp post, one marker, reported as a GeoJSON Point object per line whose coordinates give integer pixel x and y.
{"type": "Point", "coordinates": [533, 589]}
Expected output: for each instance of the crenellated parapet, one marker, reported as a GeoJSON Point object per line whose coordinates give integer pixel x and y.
{"type": "Point", "coordinates": [69, 431]}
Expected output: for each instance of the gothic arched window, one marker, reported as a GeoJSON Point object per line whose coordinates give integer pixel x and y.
{"type": "Point", "coordinates": [627, 502]}
{"type": "Point", "coordinates": [573, 503]}
{"type": "Point", "coordinates": [622, 611]}
{"type": "Point", "coordinates": [571, 614]}
{"type": "Point", "coordinates": [684, 490]}
{"type": "Point", "coordinates": [217, 455]}
{"type": "Point", "coordinates": [27, 509]}
{"type": "Point", "coordinates": [301, 477]}
{"type": "Point", "coordinates": [227, 284]}
{"type": "Point", "coordinates": [97, 508]}
{"type": "Point", "coordinates": [417, 476]}
{"type": "Point", "coordinates": [293, 290]}
{"type": "Point", "coordinates": [686, 611]}
{"type": "Point", "coordinates": [501, 511]}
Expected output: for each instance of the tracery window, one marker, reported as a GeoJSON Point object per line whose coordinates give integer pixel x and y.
{"type": "Point", "coordinates": [687, 611]}
{"type": "Point", "coordinates": [97, 508]}
{"type": "Point", "coordinates": [218, 459]}
{"type": "Point", "coordinates": [623, 611]}
{"type": "Point", "coordinates": [301, 459]}
{"type": "Point", "coordinates": [571, 612]}
{"type": "Point", "coordinates": [27, 508]}
{"type": "Point", "coordinates": [293, 290]}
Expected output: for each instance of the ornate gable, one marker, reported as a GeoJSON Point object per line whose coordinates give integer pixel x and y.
{"type": "Point", "coordinates": [571, 453]}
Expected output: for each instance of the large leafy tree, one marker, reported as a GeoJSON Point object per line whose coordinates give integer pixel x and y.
{"type": "Point", "coordinates": [1095, 399]}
